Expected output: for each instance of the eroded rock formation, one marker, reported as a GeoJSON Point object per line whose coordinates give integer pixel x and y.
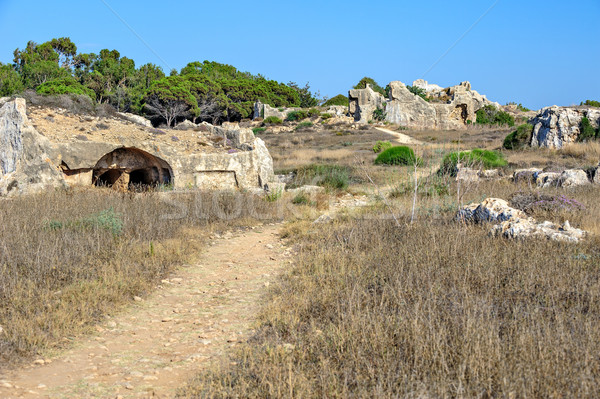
{"type": "Point", "coordinates": [214, 157]}
{"type": "Point", "coordinates": [450, 108]}
{"type": "Point", "coordinates": [555, 127]}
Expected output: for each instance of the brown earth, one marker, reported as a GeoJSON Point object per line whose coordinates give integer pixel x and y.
{"type": "Point", "coordinates": [152, 348]}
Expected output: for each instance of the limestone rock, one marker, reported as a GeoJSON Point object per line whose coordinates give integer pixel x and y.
{"type": "Point", "coordinates": [573, 178]}
{"type": "Point", "coordinates": [363, 102]}
{"type": "Point", "coordinates": [25, 165]}
{"type": "Point", "coordinates": [528, 228]}
{"type": "Point", "coordinates": [263, 163]}
{"type": "Point", "coordinates": [548, 179]}
{"type": "Point", "coordinates": [555, 127]}
{"type": "Point", "coordinates": [495, 210]}
{"type": "Point", "coordinates": [186, 125]}
{"type": "Point", "coordinates": [528, 175]}
{"type": "Point", "coordinates": [423, 84]}
{"type": "Point", "coordinates": [140, 120]}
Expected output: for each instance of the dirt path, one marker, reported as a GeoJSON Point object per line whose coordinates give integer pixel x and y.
{"type": "Point", "coordinates": [400, 137]}
{"type": "Point", "coordinates": [156, 345]}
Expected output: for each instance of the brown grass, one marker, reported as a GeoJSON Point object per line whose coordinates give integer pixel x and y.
{"type": "Point", "coordinates": [62, 268]}
{"type": "Point", "coordinates": [435, 309]}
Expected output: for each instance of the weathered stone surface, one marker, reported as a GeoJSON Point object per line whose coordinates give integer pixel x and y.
{"type": "Point", "coordinates": [490, 210]}
{"type": "Point", "coordinates": [548, 179]}
{"type": "Point", "coordinates": [363, 102]}
{"type": "Point", "coordinates": [337, 110]}
{"type": "Point", "coordinates": [514, 223]}
{"type": "Point", "coordinates": [529, 228]}
{"type": "Point", "coordinates": [423, 84]}
{"type": "Point", "coordinates": [265, 110]}
{"type": "Point", "coordinates": [24, 159]}
{"type": "Point", "coordinates": [527, 175]}
{"type": "Point", "coordinates": [452, 108]}
{"type": "Point", "coordinates": [34, 163]}
{"type": "Point", "coordinates": [186, 125]}
{"type": "Point", "coordinates": [140, 120]}
{"type": "Point", "coordinates": [573, 178]}
{"type": "Point", "coordinates": [555, 127]}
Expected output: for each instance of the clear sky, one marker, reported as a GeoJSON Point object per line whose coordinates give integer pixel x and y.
{"type": "Point", "coordinates": [537, 53]}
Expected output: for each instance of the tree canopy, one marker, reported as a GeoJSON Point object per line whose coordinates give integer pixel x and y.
{"type": "Point", "coordinates": [204, 90]}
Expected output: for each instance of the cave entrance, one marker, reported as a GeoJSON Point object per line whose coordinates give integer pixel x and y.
{"type": "Point", "coordinates": [131, 169]}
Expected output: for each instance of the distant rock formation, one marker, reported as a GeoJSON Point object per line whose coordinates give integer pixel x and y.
{"type": "Point", "coordinates": [449, 108]}
{"type": "Point", "coordinates": [555, 127]}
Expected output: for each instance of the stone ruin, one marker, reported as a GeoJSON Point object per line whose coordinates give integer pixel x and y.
{"type": "Point", "coordinates": [451, 108]}
{"type": "Point", "coordinates": [226, 157]}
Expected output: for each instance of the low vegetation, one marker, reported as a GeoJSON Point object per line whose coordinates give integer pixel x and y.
{"type": "Point", "coordinates": [591, 103]}
{"type": "Point", "coordinates": [332, 177]}
{"type": "Point", "coordinates": [429, 310]}
{"type": "Point", "coordinates": [381, 146]}
{"type": "Point", "coordinates": [519, 139]}
{"type": "Point", "coordinates": [490, 115]}
{"type": "Point", "coordinates": [68, 258]}
{"type": "Point", "coordinates": [296, 116]}
{"type": "Point", "coordinates": [475, 158]}
{"type": "Point", "coordinates": [418, 91]}
{"type": "Point", "coordinates": [587, 131]}
{"type": "Point", "coordinates": [400, 155]}
{"type": "Point", "coordinates": [272, 120]}
{"type": "Point", "coordinates": [340, 99]}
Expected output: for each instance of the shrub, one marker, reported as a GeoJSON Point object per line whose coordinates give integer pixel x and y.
{"type": "Point", "coordinates": [313, 112]}
{"type": "Point", "coordinates": [301, 199]}
{"type": "Point", "coordinates": [400, 155]}
{"type": "Point", "coordinates": [362, 84]}
{"type": "Point", "coordinates": [340, 99]}
{"type": "Point", "coordinates": [591, 103]}
{"type": "Point", "coordinates": [586, 130]}
{"type": "Point", "coordinates": [65, 86]}
{"type": "Point", "coordinates": [346, 144]}
{"type": "Point", "coordinates": [381, 146]}
{"type": "Point", "coordinates": [418, 91]}
{"type": "Point", "coordinates": [303, 125]}
{"type": "Point", "coordinates": [258, 130]}
{"type": "Point", "coordinates": [296, 116]}
{"type": "Point", "coordinates": [329, 176]}
{"type": "Point", "coordinates": [475, 158]}
{"type": "Point", "coordinates": [518, 139]}
{"type": "Point", "coordinates": [490, 115]}
{"type": "Point", "coordinates": [379, 114]}
{"type": "Point", "coordinates": [273, 120]}
{"type": "Point", "coordinates": [326, 116]}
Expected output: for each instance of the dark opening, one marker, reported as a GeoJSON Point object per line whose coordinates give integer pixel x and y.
{"type": "Point", "coordinates": [109, 177]}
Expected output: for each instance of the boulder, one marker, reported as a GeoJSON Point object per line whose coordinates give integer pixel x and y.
{"type": "Point", "coordinates": [140, 120]}
{"type": "Point", "coordinates": [573, 178]}
{"type": "Point", "coordinates": [529, 228]}
{"type": "Point", "coordinates": [555, 127]}
{"type": "Point", "coordinates": [25, 165]}
{"type": "Point", "coordinates": [527, 175]}
{"type": "Point", "coordinates": [548, 179]}
{"type": "Point", "coordinates": [186, 125]}
{"type": "Point", "coordinates": [490, 210]}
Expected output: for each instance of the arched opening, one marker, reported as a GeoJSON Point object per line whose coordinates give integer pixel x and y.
{"type": "Point", "coordinates": [131, 169]}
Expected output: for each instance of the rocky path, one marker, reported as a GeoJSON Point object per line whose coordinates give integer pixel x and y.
{"type": "Point", "coordinates": [156, 345]}
{"type": "Point", "coordinates": [400, 137]}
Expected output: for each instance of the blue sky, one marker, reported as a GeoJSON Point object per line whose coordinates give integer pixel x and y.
{"type": "Point", "coordinates": [538, 53]}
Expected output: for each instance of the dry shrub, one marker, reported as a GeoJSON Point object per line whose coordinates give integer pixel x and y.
{"type": "Point", "coordinates": [588, 151]}
{"type": "Point", "coordinates": [430, 310]}
{"type": "Point", "coordinates": [67, 258]}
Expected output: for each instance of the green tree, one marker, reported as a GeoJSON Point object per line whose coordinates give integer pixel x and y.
{"type": "Point", "coordinates": [10, 81]}
{"type": "Point", "coordinates": [340, 99]}
{"type": "Point", "coordinates": [362, 84]}
{"type": "Point", "coordinates": [307, 99]}
{"type": "Point", "coordinates": [171, 98]}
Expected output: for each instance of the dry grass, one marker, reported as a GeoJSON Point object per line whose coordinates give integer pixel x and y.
{"type": "Point", "coordinates": [435, 309]}
{"type": "Point", "coordinates": [63, 265]}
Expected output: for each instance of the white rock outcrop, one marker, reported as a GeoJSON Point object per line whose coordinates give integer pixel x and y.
{"type": "Point", "coordinates": [555, 127]}
{"type": "Point", "coordinates": [514, 223]}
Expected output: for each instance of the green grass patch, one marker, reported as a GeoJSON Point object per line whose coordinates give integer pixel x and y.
{"type": "Point", "coordinates": [476, 158]}
{"type": "Point", "coordinates": [400, 155]}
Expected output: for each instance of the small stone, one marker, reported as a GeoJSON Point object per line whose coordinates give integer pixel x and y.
{"type": "Point", "coordinates": [6, 385]}
{"type": "Point", "coordinates": [176, 280]}
{"type": "Point", "coordinates": [111, 324]}
{"type": "Point", "coordinates": [167, 319]}
{"type": "Point", "coordinates": [137, 298]}
{"type": "Point", "coordinates": [269, 246]}
{"type": "Point", "coordinates": [38, 362]}
{"type": "Point", "coordinates": [205, 341]}
{"type": "Point", "coordinates": [41, 386]}
{"type": "Point", "coordinates": [150, 378]}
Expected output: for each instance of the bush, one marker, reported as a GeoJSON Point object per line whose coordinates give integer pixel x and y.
{"type": "Point", "coordinates": [519, 139]}
{"type": "Point", "coordinates": [273, 120]}
{"type": "Point", "coordinates": [362, 84]}
{"type": "Point", "coordinates": [381, 146]}
{"type": "Point", "coordinates": [490, 115]}
{"type": "Point", "coordinates": [326, 116]}
{"type": "Point", "coordinates": [400, 155]}
{"type": "Point", "coordinates": [591, 103]}
{"type": "Point", "coordinates": [296, 116]}
{"type": "Point", "coordinates": [418, 91]}
{"type": "Point", "coordinates": [303, 125]}
{"type": "Point", "coordinates": [258, 130]}
{"type": "Point", "coordinates": [340, 99]}
{"type": "Point", "coordinates": [586, 130]}
{"type": "Point", "coordinates": [65, 86]}
{"type": "Point", "coordinates": [313, 112]}
{"type": "Point", "coordinates": [476, 158]}
{"type": "Point", "coordinates": [379, 114]}
{"type": "Point", "coordinates": [301, 199]}
{"type": "Point", "coordinates": [329, 176]}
